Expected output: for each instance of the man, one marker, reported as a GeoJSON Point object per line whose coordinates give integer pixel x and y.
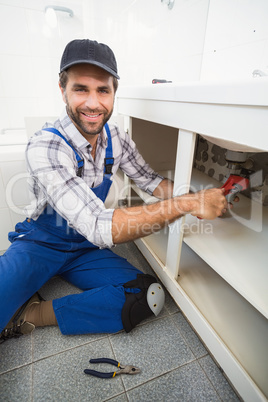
{"type": "Point", "coordinates": [68, 231]}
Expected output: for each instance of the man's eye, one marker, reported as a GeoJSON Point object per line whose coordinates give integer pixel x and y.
{"type": "Point", "coordinates": [80, 90]}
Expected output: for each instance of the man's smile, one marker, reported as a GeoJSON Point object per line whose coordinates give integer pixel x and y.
{"type": "Point", "coordinates": [91, 116]}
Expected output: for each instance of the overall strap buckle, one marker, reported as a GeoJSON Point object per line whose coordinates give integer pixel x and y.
{"type": "Point", "coordinates": [108, 160]}
{"type": "Point", "coordinates": [108, 165]}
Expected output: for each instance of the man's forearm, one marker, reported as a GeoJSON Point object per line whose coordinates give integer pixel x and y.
{"type": "Point", "coordinates": [164, 189]}
{"type": "Point", "coordinates": [135, 222]}
{"type": "Point", "coordinates": [139, 221]}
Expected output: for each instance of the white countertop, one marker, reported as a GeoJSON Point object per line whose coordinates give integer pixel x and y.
{"type": "Point", "coordinates": [248, 92]}
{"type": "Point", "coordinates": [232, 114]}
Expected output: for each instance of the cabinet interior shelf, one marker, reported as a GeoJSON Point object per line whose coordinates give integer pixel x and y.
{"type": "Point", "coordinates": [234, 246]}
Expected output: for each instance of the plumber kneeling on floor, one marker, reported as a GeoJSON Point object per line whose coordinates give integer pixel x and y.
{"type": "Point", "coordinates": [68, 231]}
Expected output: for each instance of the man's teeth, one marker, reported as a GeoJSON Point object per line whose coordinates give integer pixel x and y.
{"type": "Point", "coordinates": [91, 115]}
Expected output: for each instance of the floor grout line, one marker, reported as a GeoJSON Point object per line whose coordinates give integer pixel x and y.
{"type": "Point", "coordinates": [115, 396]}
{"type": "Point", "coordinates": [122, 382]}
{"type": "Point", "coordinates": [161, 375]}
{"type": "Point", "coordinates": [52, 355]}
{"type": "Point", "coordinates": [223, 374]}
{"type": "Point", "coordinates": [16, 368]}
{"type": "Point", "coordinates": [196, 334]}
{"type": "Point", "coordinates": [209, 380]}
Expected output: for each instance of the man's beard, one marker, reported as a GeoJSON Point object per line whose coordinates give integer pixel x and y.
{"type": "Point", "coordinates": [85, 128]}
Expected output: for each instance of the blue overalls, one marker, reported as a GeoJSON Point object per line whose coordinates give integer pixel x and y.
{"type": "Point", "coordinates": [47, 247]}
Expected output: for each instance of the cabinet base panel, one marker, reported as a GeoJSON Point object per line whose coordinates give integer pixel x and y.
{"type": "Point", "coordinates": [237, 375]}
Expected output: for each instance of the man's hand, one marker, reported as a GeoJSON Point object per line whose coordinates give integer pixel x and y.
{"type": "Point", "coordinates": [209, 203]}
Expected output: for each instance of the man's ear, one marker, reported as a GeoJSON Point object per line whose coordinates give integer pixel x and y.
{"type": "Point", "coordinates": [62, 93]}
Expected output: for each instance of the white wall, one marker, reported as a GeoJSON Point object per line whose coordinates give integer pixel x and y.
{"type": "Point", "coordinates": [149, 40]}
{"type": "Point", "coordinates": [30, 53]}
{"type": "Point", "coordinates": [197, 39]}
{"type": "Point", "coordinates": [236, 39]}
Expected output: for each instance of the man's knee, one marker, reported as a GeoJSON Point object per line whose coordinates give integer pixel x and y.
{"type": "Point", "coordinates": [148, 301]}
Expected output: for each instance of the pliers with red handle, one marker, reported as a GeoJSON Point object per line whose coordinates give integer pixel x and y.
{"type": "Point", "coordinates": [122, 369]}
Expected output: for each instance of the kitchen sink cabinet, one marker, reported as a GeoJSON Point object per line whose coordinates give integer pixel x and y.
{"type": "Point", "coordinates": [216, 271]}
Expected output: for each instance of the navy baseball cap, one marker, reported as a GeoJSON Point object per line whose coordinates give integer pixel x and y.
{"type": "Point", "coordinates": [90, 52]}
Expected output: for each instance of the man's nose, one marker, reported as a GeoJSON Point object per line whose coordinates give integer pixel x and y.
{"type": "Point", "coordinates": [92, 101]}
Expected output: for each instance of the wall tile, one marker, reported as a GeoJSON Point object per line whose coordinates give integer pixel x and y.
{"type": "Point", "coordinates": [235, 62]}
{"type": "Point", "coordinates": [252, 26]}
{"type": "Point", "coordinates": [40, 45]}
{"type": "Point", "coordinates": [236, 39]}
{"type": "Point", "coordinates": [71, 28]}
{"type": "Point", "coordinates": [219, 25]}
{"type": "Point", "coordinates": [18, 108]}
{"type": "Point", "coordinates": [10, 18]}
{"type": "Point", "coordinates": [3, 112]}
{"type": "Point", "coordinates": [45, 75]}
{"type": "Point", "coordinates": [50, 107]}
{"type": "Point", "coordinates": [35, 4]}
{"type": "Point", "coordinates": [17, 76]}
{"type": "Point", "coordinates": [188, 28]}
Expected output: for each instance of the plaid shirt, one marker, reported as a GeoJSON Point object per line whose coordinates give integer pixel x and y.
{"type": "Point", "coordinates": [53, 177]}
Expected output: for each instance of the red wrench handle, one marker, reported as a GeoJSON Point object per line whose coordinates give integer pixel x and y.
{"type": "Point", "coordinates": [233, 185]}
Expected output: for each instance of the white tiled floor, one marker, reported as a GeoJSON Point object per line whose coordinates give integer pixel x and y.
{"type": "Point", "coordinates": [175, 365]}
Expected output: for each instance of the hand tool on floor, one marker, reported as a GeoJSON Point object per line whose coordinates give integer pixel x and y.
{"type": "Point", "coordinates": [122, 369]}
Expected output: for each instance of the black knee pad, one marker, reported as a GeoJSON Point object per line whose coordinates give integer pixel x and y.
{"type": "Point", "coordinates": [147, 302]}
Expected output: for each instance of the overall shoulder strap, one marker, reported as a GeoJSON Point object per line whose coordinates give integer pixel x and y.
{"type": "Point", "coordinates": [80, 160]}
{"type": "Point", "coordinates": [109, 159]}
